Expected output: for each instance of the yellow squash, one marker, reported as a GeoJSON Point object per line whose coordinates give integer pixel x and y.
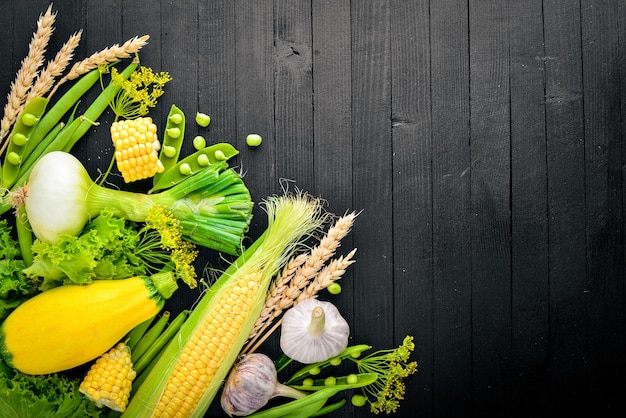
{"type": "Point", "coordinates": [70, 325]}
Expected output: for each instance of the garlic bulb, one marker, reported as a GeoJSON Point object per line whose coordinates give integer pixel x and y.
{"type": "Point", "coordinates": [313, 331]}
{"type": "Point", "coordinates": [251, 384]}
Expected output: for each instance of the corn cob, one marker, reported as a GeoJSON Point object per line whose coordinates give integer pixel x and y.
{"type": "Point", "coordinates": [192, 367]}
{"type": "Point", "coordinates": [109, 380]}
{"type": "Point", "coordinates": [136, 148]}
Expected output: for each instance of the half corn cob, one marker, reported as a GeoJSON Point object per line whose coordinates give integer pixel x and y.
{"type": "Point", "coordinates": [109, 380]}
{"type": "Point", "coordinates": [193, 366]}
{"type": "Point", "coordinates": [136, 148]}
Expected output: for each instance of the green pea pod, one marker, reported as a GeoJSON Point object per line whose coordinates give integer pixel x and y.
{"type": "Point", "coordinates": [22, 130]}
{"type": "Point", "coordinates": [194, 163]}
{"type": "Point", "coordinates": [352, 351]}
{"type": "Point", "coordinates": [172, 141]}
{"type": "Point", "coordinates": [313, 402]}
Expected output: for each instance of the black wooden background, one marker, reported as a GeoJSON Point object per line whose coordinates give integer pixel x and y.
{"type": "Point", "coordinates": [481, 139]}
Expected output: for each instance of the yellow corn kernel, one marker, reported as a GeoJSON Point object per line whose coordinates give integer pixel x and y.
{"type": "Point", "coordinates": [136, 148]}
{"type": "Point", "coordinates": [109, 380]}
{"type": "Point", "coordinates": [216, 334]}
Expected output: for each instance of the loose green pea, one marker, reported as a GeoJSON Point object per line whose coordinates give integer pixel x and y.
{"type": "Point", "coordinates": [29, 119]}
{"type": "Point", "coordinates": [199, 142]}
{"type": "Point", "coordinates": [358, 400]}
{"type": "Point", "coordinates": [19, 139]}
{"type": "Point", "coordinates": [315, 371]}
{"type": "Point", "coordinates": [335, 361]}
{"type": "Point", "coordinates": [330, 381]}
{"type": "Point", "coordinates": [169, 151]}
{"type": "Point", "coordinates": [203, 160]}
{"type": "Point", "coordinates": [173, 132]}
{"type": "Point", "coordinates": [254, 140]}
{"type": "Point", "coordinates": [334, 288]}
{"type": "Point", "coordinates": [176, 118]}
{"type": "Point", "coordinates": [308, 382]}
{"type": "Point", "coordinates": [219, 155]}
{"type": "Point", "coordinates": [14, 158]}
{"type": "Point", "coordinates": [352, 379]}
{"type": "Point", "coordinates": [185, 169]}
{"type": "Point", "coordinates": [203, 119]}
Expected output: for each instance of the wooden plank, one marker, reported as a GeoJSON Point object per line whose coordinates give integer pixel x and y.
{"type": "Point", "coordinates": [216, 78]}
{"type": "Point", "coordinates": [332, 119]}
{"type": "Point", "coordinates": [604, 209]}
{"type": "Point", "coordinates": [530, 291]}
{"type": "Point", "coordinates": [176, 42]}
{"type": "Point", "coordinates": [332, 141]}
{"type": "Point", "coordinates": [490, 216]}
{"type": "Point", "coordinates": [372, 172]}
{"type": "Point", "coordinates": [566, 207]}
{"type": "Point", "coordinates": [254, 80]}
{"type": "Point", "coordinates": [293, 91]}
{"type": "Point", "coordinates": [412, 194]}
{"type": "Point", "coordinates": [452, 361]}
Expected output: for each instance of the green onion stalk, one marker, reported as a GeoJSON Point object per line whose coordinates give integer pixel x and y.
{"type": "Point", "coordinates": [213, 206]}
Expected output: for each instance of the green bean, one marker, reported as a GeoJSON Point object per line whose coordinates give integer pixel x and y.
{"type": "Point", "coordinates": [134, 336]}
{"type": "Point", "coordinates": [19, 138]}
{"type": "Point", "coordinates": [172, 142]}
{"type": "Point", "coordinates": [53, 116]}
{"type": "Point", "coordinates": [143, 361]}
{"type": "Point", "coordinates": [150, 336]}
{"type": "Point", "coordinates": [24, 235]}
{"type": "Point", "coordinates": [97, 108]}
{"type": "Point", "coordinates": [327, 409]}
{"type": "Point", "coordinates": [194, 163]}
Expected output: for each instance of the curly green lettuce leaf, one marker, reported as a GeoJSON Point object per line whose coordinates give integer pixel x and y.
{"type": "Point", "coordinates": [15, 287]}
{"type": "Point", "coordinates": [105, 249]}
{"type": "Point", "coordinates": [47, 396]}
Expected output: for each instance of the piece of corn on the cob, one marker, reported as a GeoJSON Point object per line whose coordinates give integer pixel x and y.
{"type": "Point", "coordinates": [136, 148]}
{"type": "Point", "coordinates": [109, 380]}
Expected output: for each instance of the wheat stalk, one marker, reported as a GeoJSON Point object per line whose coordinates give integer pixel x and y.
{"type": "Point", "coordinates": [108, 55]}
{"type": "Point", "coordinates": [329, 274]}
{"type": "Point", "coordinates": [55, 68]}
{"type": "Point", "coordinates": [296, 276]}
{"type": "Point", "coordinates": [28, 71]}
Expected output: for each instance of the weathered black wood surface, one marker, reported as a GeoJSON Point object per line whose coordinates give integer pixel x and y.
{"type": "Point", "coordinates": [482, 141]}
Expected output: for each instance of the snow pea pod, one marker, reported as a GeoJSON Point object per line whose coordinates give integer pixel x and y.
{"type": "Point", "coordinates": [172, 141]}
{"type": "Point", "coordinates": [313, 402]}
{"type": "Point", "coordinates": [193, 163]}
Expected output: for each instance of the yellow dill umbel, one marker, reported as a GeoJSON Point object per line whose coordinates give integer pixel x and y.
{"type": "Point", "coordinates": [136, 148]}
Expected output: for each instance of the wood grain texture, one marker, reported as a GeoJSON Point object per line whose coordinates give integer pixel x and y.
{"type": "Point", "coordinates": [481, 142]}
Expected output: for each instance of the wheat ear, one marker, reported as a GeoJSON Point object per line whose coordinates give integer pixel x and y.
{"type": "Point", "coordinates": [108, 55]}
{"type": "Point", "coordinates": [283, 293]}
{"type": "Point", "coordinates": [271, 308]}
{"type": "Point", "coordinates": [328, 275]}
{"type": "Point", "coordinates": [55, 68]}
{"type": "Point", "coordinates": [28, 71]}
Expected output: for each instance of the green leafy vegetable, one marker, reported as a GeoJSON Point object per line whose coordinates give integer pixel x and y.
{"type": "Point", "coordinates": [52, 395]}
{"type": "Point", "coordinates": [109, 247]}
{"type": "Point", "coordinates": [15, 287]}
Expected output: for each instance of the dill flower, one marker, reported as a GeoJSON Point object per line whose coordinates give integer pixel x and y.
{"type": "Point", "coordinates": [138, 93]}
{"type": "Point", "coordinates": [183, 253]}
{"type": "Point", "coordinates": [392, 367]}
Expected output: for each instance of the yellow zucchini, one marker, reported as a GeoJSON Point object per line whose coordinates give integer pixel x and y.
{"type": "Point", "coordinates": [70, 325]}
